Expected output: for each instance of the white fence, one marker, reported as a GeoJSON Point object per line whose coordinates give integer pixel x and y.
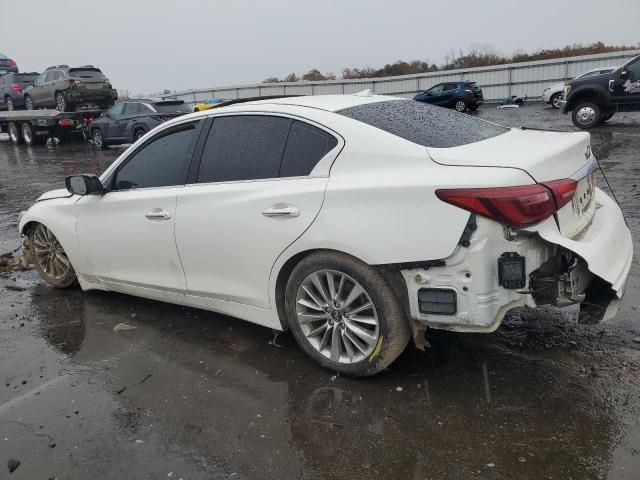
{"type": "Point", "coordinates": [497, 82]}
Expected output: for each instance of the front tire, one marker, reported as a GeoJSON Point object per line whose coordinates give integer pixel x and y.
{"type": "Point", "coordinates": [555, 100]}
{"type": "Point", "coordinates": [28, 102]}
{"type": "Point", "coordinates": [98, 139]}
{"type": "Point", "coordinates": [344, 314]}
{"type": "Point", "coordinates": [460, 106]}
{"type": "Point", "coordinates": [50, 259]}
{"type": "Point", "coordinates": [586, 115]}
{"type": "Point", "coordinates": [606, 117]}
{"type": "Point", "coordinates": [62, 105]}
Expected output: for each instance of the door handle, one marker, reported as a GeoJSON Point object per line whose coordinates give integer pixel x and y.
{"type": "Point", "coordinates": [281, 210]}
{"type": "Point", "coordinates": [611, 85]}
{"type": "Point", "coordinates": [157, 214]}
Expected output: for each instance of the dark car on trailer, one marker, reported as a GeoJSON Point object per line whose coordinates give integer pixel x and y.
{"type": "Point", "coordinates": [127, 121]}
{"type": "Point", "coordinates": [461, 95]}
{"type": "Point", "coordinates": [65, 89]}
{"type": "Point", "coordinates": [12, 87]}
{"type": "Point", "coordinates": [7, 65]}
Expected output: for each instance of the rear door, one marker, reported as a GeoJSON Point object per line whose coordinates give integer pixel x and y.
{"type": "Point", "coordinates": [448, 93]}
{"type": "Point", "coordinates": [257, 189]}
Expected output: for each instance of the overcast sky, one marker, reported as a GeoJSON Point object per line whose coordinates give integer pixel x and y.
{"type": "Point", "coordinates": [146, 46]}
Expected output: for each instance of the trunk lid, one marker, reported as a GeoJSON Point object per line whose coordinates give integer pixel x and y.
{"type": "Point", "coordinates": [545, 156]}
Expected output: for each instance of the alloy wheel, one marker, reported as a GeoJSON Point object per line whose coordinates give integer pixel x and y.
{"type": "Point", "coordinates": [460, 106]}
{"type": "Point", "coordinates": [97, 138]}
{"type": "Point", "coordinates": [556, 101]}
{"type": "Point", "coordinates": [11, 106]}
{"type": "Point", "coordinates": [28, 102]}
{"type": "Point", "coordinates": [27, 133]}
{"type": "Point", "coordinates": [49, 254]}
{"type": "Point", "coordinates": [337, 316]}
{"type": "Point", "coordinates": [61, 103]}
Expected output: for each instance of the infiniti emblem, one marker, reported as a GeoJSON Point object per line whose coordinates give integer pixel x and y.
{"type": "Point", "coordinates": [587, 152]}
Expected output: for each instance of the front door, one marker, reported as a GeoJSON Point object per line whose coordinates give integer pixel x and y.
{"type": "Point", "coordinates": [113, 130]}
{"type": "Point", "coordinates": [254, 196]}
{"type": "Point", "coordinates": [36, 92]}
{"type": "Point", "coordinates": [129, 232]}
{"type": "Point", "coordinates": [627, 87]}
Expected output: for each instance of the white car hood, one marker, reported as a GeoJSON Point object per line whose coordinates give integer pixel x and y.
{"type": "Point", "coordinates": [59, 193]}
{"type": "Point", "coordinates": [543, 155]}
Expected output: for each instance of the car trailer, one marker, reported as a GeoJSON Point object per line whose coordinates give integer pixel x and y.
{"type": "Point", "coordinates": [35, 127]}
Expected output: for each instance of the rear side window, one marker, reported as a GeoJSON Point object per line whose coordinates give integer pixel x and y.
{"type": "Point", "coordinates": [162, 162]}
{"type": "Point", "coordinates": [424, 124]}
{"type": "Point", "coordinates": [306, 145]}
{"type": "Point", "coordinates": [243, 147]}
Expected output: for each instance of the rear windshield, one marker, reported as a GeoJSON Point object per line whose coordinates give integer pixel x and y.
{"type": "Point", "coordinates": [172, 107]}
{"type": "Point", "coordinates": [424, 124]}
{"type": "Point", "coordinates": [25, 77]}
{"type": "Point", "coordinates": [85, 73]}
{"type": "Point", "coordinates": [472, 84]}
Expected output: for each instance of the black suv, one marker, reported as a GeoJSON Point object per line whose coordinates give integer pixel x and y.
{"type": "Point", "coordinates": [66, 88]}
{"type": "Point", "coordinates": [126, 122]}
{"type": "Point", "coordinates": [12, 86]}
{"type": "Point", "coordinates": [594, 100]}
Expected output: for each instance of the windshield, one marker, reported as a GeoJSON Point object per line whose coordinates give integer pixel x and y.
{"type": "Point", "coordinates": [172, 107]}
{"type": "Point", "coordinates": [424, 124]}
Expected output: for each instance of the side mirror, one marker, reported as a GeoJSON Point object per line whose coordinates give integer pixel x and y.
{"type": "Point", "coordinates": [84, 185]}
{"type": "Point", "coordinates": [624, 75]}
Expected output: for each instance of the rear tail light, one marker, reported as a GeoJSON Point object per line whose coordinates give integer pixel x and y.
{"type": "Point", "coordinates": [76, 82]}
{"type": "Point", "coordinates": [11, 62]}
{"type": "Point", "coordinates": [16, 87]}
{"type": "Point", "coordinates": [87, 120]}
{"type": "Point", "coordinates": [515, 207]}
{"type": "Point", "coordinates": [65, 122]}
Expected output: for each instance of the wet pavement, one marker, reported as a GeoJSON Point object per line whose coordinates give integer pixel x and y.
{"type": "Point", "coordinates": [189, 394]}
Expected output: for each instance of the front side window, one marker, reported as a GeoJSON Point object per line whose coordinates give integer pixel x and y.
{"type": "Point", "coordinates": [161, 162]}
{"type": "Point", "coordinates": [436, 89]}
{"type": "Point", "coordinates": [115, 112]}
{"type": "Point", "coordinates": [634, 71]}
{"type": "Point", "coordinates": [51, 76]}
{"type": "Point", "coordinates": [243, 147]}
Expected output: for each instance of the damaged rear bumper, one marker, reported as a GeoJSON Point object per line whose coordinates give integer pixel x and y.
{"type": "Point", "coordinates": [465, 292]}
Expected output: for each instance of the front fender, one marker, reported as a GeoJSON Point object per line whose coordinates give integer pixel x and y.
{"type": "Point", "coordinates": [581, 93]}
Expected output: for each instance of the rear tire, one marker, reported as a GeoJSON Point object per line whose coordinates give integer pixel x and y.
{"type": "Point", "coordinates": [606, 117]}
{"type": "Point", "coordinates": [62, 105]}
{"type": "Point", "coordinates": [14, 134]}
{"type": "Point", "coordinates": [50, 259]}
{"type": "Point", "coordinates": [460, 106]}
{"type": "Point", "coordinates": [586, 115]}
{"type": "Point", "coordinates": [28, 102]}
{"type": "Point", "coordinates": [373, 318]}
{"type": "Point", "coordinates": [30, 137]}
{"type": "Point", "coordinates": [138, 134]}
{"type": "Point", "coordinates": [555, 99]}
{"type": "Point", "coordinates": [9, 103]}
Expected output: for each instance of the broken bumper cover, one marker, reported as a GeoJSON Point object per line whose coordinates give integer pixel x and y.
{"type": "Point", "coordinates": [605, 249]}
{"type": "Point", "coordinates": [606, 246]}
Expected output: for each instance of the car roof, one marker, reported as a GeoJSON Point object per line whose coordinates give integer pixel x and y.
{"type": "Point", "coordinates": [330, 103]}
{"type": "Point", "coordinates": [598, 69]}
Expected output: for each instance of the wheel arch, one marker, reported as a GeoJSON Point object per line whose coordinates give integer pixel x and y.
{"type": "Point", "coordinates": [585, 94]}
{"type": "Point", "coordinates": [390, 273]}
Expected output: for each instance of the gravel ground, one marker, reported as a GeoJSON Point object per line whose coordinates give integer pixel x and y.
{"type": "Point", "coordinates": [188, 394]}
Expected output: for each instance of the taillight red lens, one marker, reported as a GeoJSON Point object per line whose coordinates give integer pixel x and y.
{"type": "Point", "coordinates": [12, 62]}
{"type": "Point", "coordinates": [16, 87]}
{"type": "Point", "coordinates": [65, 122]}
{"type": "Point", "coordinates": [563, 190]}
{"type": "Point", "coordinates": [512, 206]}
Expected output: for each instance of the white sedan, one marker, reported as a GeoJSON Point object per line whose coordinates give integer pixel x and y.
{"type": "Point", "coordinates": [553, 93]}
{"type": "Point", "coordinates": [356, 221]}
